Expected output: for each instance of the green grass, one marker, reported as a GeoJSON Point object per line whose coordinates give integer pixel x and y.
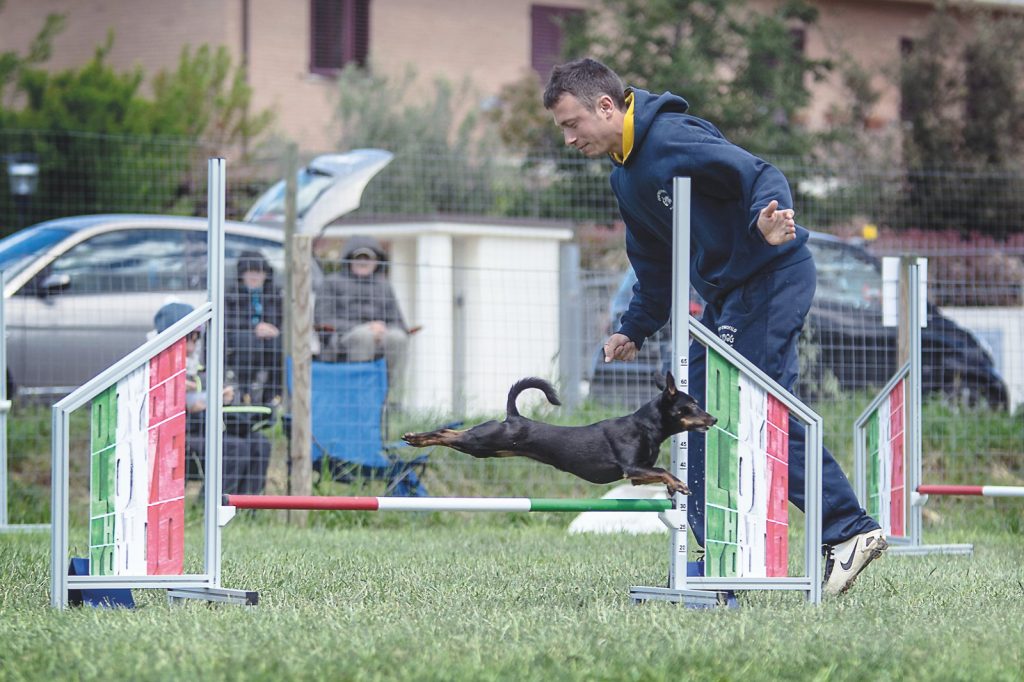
{"type": "Point", "coordinates": [361, 596]}
{"type": "Point", "coordinates": [475, 597]}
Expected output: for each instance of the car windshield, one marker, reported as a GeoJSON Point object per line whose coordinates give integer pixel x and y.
{"type": "Point", "coordinates": [846, 275]}
{"type": "Point", "coordinates": [270, 208]}
{"type": "Point", "coordinates": [20, 248]}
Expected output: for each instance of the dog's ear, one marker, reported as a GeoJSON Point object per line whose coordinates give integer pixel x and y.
{"type": "Point", "coordinates": [670, 383]}
{"type": "Point", "coordinates": [659, 381]}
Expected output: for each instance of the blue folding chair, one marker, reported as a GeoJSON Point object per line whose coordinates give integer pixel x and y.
{"type": "Point", "coordinates": [348, 443]}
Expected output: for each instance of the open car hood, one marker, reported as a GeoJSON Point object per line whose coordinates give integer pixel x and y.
{"type": "Point", "coordinates": [330, 187]}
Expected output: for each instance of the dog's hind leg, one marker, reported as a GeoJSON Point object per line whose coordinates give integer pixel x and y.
{"type": "Point", "coordinates": [484, 440]}
{"type": "Point", "coordinates": [640, 476]}
{"type": "Point", "coordinates": [440, 437]}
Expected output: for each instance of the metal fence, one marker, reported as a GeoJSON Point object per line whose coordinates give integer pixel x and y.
{"type": "Point", "coordinates": [514, 299]}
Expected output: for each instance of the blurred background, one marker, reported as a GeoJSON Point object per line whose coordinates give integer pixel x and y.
{"type": "Point", "coordinates": [493, 252]}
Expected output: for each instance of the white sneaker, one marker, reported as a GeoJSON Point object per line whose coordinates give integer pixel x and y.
{"type": "Point", "coordinates": [845, 561]}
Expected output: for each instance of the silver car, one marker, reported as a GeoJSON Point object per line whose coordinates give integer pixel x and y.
{"type": "Point", "coordinates": [81, 292]}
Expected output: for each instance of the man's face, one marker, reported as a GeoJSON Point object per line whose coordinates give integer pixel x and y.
{"type": "Point", "coordinates": [593, 132]}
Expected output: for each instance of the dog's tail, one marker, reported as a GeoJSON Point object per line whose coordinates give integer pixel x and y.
{"type": "Point", "coordinates": [522, 385]}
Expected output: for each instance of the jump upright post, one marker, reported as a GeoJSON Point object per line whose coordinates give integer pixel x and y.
{"type": "Point", "coordinates": [137, 485]}
{"type": "Point", "coordinates": [887, 434]}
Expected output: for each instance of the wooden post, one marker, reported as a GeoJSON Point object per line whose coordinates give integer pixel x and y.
{"type": "Point", "coordinates": [301, 304]}
{"type": "Point", "coordinates": [291, 190]}
{"type": "Point", "coordinates": [298, 323]}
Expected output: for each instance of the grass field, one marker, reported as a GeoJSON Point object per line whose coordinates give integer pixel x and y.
{"type": "Point", "coordinates": [503, 597]}
{"type": "Point", "coordinates": [361, 596]}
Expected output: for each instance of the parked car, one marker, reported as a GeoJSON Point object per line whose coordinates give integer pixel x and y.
{"type": "Point", "coordinates": [81, 292]}
{"type": "Point", "coordinates": [846, 341]}
{"type": "Point", "coordinates": [846, 328]}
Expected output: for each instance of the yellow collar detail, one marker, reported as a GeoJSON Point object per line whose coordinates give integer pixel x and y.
{"type": "Point", "coordinates": [627, 131]}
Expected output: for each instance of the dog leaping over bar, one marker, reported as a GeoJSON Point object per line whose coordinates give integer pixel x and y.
{"type": "Point", "coordinates": [604, 452]}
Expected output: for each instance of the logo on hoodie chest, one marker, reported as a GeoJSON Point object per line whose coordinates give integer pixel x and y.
{"type": "Point", "coordinates": [665, 198]}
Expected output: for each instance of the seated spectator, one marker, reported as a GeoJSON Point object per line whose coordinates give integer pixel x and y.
{"type": "Point", "coordinates": [253, 310]}
{"type": "Point", "coordinates": [358, 310]}
{"type": "Point", "coordinates": [245, 452]}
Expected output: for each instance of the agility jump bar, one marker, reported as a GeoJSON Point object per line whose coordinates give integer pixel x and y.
{"type": "Point", "coordinates": [982, 490]}
{"type": "Point", "coordinates": [442, 504]}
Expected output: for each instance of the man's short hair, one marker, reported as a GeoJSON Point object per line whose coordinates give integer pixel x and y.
{"type": "Point", "coordinates": [587, 80]}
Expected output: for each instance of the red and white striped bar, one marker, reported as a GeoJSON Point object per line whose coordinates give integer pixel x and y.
{"type": "Point", "coordinates": [980, 490]}
{"type": "Point", "coordinates": [442, 504]}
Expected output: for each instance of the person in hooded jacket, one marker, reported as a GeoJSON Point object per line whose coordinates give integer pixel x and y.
{"type": "Point", "coordinates": [359, 312]}
{"type": "Point", "coordinates": [253, 311]}
{"type": "Point", "coordinates": [748, 261]}
{"type": "Point", "coordinates": [245, 451]}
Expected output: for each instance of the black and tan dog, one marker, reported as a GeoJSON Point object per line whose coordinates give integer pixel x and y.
{"type": "Point", "coordinates": [610, 450]}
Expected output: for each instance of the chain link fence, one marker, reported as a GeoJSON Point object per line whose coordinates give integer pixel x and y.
{"type": "Point", "coordinates": [486, 271]}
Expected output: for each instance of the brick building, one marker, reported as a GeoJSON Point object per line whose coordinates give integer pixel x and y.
{"type": "Point", "coordinates": [293, 47]}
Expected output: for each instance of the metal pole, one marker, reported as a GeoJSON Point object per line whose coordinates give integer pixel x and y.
{"type": "Point", "coordinates": [216, 201]}
{"type": "Point", "coordinates": [979, 490]}
{"type": "Point", "coordinates": [60, 425]}
{"type": "Point", "coordinates": [681, 370]}
{"type": "Point", "coordinates": [812, 506]}
{"type": "Point", "coordinates": [444, 504]}
{"type": "Point", "coordinates": [912, 397]}
{"type": "Point", "coordinates": [5, 405]}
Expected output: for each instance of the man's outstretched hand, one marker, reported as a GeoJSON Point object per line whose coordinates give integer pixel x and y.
{"type": "Point", "coordinates": [776, 225]}
{"type": "Point", "coordinates": [619, 347]}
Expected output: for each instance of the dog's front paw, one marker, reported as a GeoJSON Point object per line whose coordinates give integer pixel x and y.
{"type": "Point", "coordinates": [677, 487]}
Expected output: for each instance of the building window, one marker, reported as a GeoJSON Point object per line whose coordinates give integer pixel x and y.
{"type": "Point", "coordinates": [547, 24]}
{"type": "Point", "coordinates": [339, 34]}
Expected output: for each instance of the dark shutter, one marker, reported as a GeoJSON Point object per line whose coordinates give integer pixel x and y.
{"type": "Point", "coordinates": [340, 34]}
{"type": "Point", "coordinates": [546, 24]}
{"type": "Point", "coordinates": [359, 32]}
{"type": "Point", "coordinates": [326, 42]}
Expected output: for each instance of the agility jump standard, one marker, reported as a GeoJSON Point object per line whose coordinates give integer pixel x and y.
{"type": "Point", "coordinates": [135, 536]}
{"type": "Point", "coordinates": [887, 435]}
{"type": "Point", "coordinates": [442, 504]}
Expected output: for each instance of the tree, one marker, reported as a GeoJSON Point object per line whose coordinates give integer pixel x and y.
{"type": "Point", "coordinates": [441, 164]}
{"type": "Point", "coordinates": [102, 144]}
{"type": "Point", "coordinates": [94, 98]}
{"type": "Point", "coordinates": [206, 99]}
{"type": "Point", "coordinates": [12, 64]}
{"type": "Point", "coordinates": [962, 87]}
{"type": "Point", "coordinates": [738, 68]}
{"type": "Point", "coordinates": [760, 105]}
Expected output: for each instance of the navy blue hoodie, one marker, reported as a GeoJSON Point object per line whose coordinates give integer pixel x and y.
{"type": "Point", "coordinates": [729, 188]}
